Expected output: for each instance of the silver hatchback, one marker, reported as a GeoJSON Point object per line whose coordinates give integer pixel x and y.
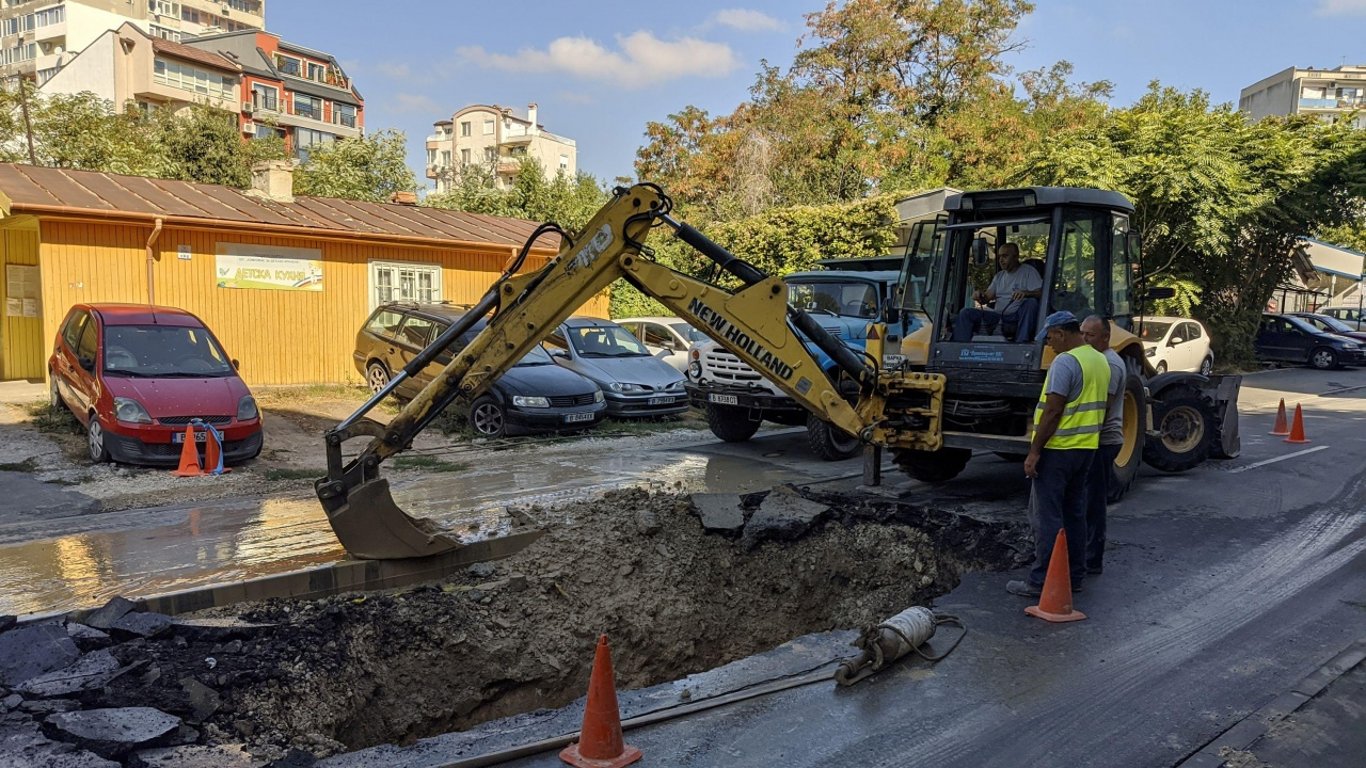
{"type": "Point", "coordinates": [635, 382]}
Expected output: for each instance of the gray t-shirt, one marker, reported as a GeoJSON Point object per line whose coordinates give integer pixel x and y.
{"type": "Point", "coordinates": [1064, 378]}
{"type": "Point", "coordinates": [1113, 431]}
{"type": "Point", "coordinates": [1005, 283]}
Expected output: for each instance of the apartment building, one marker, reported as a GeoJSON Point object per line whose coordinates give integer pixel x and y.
{"type": "Point", "coordinates": [1328, 93]}
{"type": "Point", "coordinates": [494, 137]}
{"type": "Point", "coordinates": [37, 37]}
{"type": "Point", "coordinates": [129, 64]}
{"type": "Point", "coordinates": [297, 93]}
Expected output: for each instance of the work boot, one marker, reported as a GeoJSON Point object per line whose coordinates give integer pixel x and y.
{"type": "Point", "coordinates": [1023, 588]}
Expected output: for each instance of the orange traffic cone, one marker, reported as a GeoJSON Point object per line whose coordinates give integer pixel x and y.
{"type": "Point", "coordinates": [189, 456]}
{"type": "Point", "coordinates": [601, 744]}
{"type": "Point", "coordinates": [1297, 428]}
{"type": "Point", "coordinates": [1282, 428]}
{"type": "Point", "coordinates": [1055, 604]}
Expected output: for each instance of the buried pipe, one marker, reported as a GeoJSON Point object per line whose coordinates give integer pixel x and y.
{"type": "Point", "coordinates": [882, 644]}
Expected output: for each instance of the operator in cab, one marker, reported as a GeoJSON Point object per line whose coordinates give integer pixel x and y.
{"type": "Point", "coordinates": [1014, 295]}
{"type": "Point", "coordinates": [1067, 426]}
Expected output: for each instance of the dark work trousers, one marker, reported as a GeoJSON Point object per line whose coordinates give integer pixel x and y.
{"type": "Point", "coordinates": [1057, 500]}
{"type": "Point", "coordinates": [1098, 487]}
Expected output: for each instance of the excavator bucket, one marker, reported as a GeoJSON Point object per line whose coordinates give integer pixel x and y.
{"type": "Point", "coordinates": [371, 526]}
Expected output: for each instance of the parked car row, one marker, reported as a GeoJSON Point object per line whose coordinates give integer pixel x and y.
{"type": "Point", "coordinates": [135, 376]}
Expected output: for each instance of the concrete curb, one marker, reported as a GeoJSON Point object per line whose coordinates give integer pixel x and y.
{"type": "Point", "coordinates": [1247, 731]}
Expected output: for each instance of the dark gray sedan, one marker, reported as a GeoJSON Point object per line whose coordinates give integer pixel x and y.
{"type": "Point", "coordinates": [635, 382]}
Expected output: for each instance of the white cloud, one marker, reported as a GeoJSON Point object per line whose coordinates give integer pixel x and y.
{"type": "Point", "coordinates": [1341, 8]}
{"type": "Point", "coordinates": [641, 59]}
{"type": "Point", "coordinates": [416, 102]}
{"type": "Point", "coordinates": [576, 97]}
{"type": "Point", "coordinates": [396, 71]}
{"type": "Point", "coordinates": [747, 20]}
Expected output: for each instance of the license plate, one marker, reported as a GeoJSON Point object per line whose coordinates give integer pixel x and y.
{"type": "Point", "coordinates": [661, 401]}
{"type": "Point", "coordinates": [179, 437]}
{"type": "Point", "coordinates": [723, 399]}
{"type": "Point", "coordinates": [573, 417]}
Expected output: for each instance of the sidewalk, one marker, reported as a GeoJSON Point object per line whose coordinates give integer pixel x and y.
{"type": "Point", "coordinates": [22, 391]}
{"type": "Point", "coordinates": [1320, 722]}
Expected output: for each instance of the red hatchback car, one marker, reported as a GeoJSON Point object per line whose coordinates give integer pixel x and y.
{"type": "Point", "coordinates": [135, 375]}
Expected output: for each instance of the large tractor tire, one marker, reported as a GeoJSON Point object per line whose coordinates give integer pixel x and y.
{"type": "Point", "coordinates": [1131, 452]}
{"type": "Point", "coordinates": [829, 442]}
{"type": "Point", "coordinates": [731, 423]}
{"type": "Point", "coordinates": [1184, 422]}
{"type": "Point", "coordinates": [932, 466]}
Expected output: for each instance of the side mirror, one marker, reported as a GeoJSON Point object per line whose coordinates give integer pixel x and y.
{"type": "Point", "coordinates": [1159, 293]}
{"type": "Point", "coordinates": [88, 363]}
{"type": "Point", "coordinates": [1176, 340]}
{"type": "Point", "coordinates": [892, 316]}
{"type": "Point", "coordinates": [981, 251]}
{"type": "Point", "coordinates": [1131, 246]}
{"type": "Point", "coordinates": [236, 364]}
{"type": "Point", "coordinates": [554, 352]}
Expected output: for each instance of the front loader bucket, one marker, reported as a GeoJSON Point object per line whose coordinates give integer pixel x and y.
{"type": "Point", "coordinates": [372, 527]}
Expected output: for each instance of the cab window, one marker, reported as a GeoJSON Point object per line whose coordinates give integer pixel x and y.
{"type": "Point", "coordinates": [1074, 285]}
{"type": "Point", "coordinates": [71, 332]}
{"type": "Point", "coordinates": [87, 343]}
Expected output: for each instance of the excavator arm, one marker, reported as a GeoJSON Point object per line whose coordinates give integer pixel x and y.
{"type": "Point", "coordinates": [755, 323]}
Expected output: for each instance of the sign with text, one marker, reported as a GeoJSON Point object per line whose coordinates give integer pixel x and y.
{"type": "Point", "coordinates": [265, 267]}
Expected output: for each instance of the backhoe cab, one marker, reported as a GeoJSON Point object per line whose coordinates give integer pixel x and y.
{"type": "Point", "coordinates": [1083, 257]}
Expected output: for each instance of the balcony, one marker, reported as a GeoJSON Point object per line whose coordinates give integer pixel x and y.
{"type": "Point", "coordinates": [343, 119]}
{"type": "Point", "coordinates": [307, 110]}
{"type": "Point", "coordinates": [1333, 103]}
{"type": "Point", "coordinates": [261, 103]}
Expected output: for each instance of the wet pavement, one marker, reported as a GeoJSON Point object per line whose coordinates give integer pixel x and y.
{"type": "Point", "coordinates": [59, 564]}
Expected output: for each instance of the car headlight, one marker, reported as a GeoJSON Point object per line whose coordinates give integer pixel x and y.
{"type": "Point", "coordinates": [598, 396]}
{"type": "Point", "coordinates": [530, 402]}
{"type": "Point", "coordinates": [1150, 352]}
{"type": "Point", "coordinates": [1351, 345]}
{"type": "Point", "coordinates": [129, 410]}
{"type": "Point", "coordinates": [621, 386]}
{"type": "Point", "coordinates": [246, 409]}
{"type": "Point", "coordinates": [694, 370]}
{"type": "Point", "coordinates": [676, 386]}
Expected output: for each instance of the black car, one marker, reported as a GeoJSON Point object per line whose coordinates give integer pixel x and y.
{"type": "Point", "coordinates": [1290, 339]}
{"type": "Point", "coordinates": [535, 395]}
{"type": "Point", "coordinates": [1330, 324]}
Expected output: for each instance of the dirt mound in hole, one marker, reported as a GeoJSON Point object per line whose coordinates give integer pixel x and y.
{"type": "Point", "coordinates": [502, 638]}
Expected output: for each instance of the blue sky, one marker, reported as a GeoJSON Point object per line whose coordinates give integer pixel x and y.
{"type": "Point", "coordinates": [601, 69]}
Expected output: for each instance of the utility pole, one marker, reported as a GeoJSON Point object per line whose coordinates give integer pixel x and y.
{"type": "Point", "coordinates": [28, 122]}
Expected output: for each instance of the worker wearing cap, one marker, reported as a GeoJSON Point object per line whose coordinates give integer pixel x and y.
{"type": "Point", "coordinates": [1067, 425]}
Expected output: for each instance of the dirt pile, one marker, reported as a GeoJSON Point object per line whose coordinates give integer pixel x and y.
{"type": "Point", "coordinates": [502, 638]}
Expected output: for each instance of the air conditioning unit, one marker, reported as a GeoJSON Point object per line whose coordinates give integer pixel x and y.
{"type": "Point", "coordinates": [248, 107]}
{"type": "Point", "coordinates": [248, 126]}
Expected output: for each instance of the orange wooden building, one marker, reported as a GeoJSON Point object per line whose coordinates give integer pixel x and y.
{"type": "Point", "coordinates": [285, 283]}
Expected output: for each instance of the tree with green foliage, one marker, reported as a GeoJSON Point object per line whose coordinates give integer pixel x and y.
{"type": "Point", "coordinates": [1219, 201]}
{"type": "Point", "coordinates": [569, 201]}
{"type": "Point", "coordinates": [370, 168]}
{"type": "Point", "coordinates": [204, 144]}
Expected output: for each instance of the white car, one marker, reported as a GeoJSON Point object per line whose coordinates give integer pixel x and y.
{"type": "Point", "coordinates": [1176, 344]}
{"type": "Point", "coordinates": [667, 338]}
{"type": "Point", "coordinates": [1352, 316]}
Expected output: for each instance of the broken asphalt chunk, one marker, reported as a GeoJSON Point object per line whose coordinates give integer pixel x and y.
{"type": "Point", "coordinates": [193, 756]}
{"type": "Point", "coordinates": [148, 625]}
{"type": "Point", "coordinates": [719, 512]}
{"type": "Point", "coordinates": [219, 628]}
{"type": "Point", "coordinates": [111, 732]}
{"type": "Point", "coordinates": [783, 515]}
{"type": "Point", "coordinates": [111, 612]}
{"type": "Point", "coordinates": [91, 671]}
{"type": "Point", "coordinates": [30, 651]}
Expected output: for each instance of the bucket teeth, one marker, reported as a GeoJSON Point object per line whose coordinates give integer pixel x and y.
{"type": "Point", "coordinates": [372, 527]}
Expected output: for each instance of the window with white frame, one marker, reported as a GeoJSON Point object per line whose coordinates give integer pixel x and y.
{"type": "Point", "coordinates": [401, 281]}
{"type": "Point", "coordinates": [465, 128]}
{"type": "Point", "coordinates": [49, 16]}
{"type": "Point", "coordinates": [163, 7]}
{"type": "Point", "coordinates": [488, 127]}
{"type": "Point", "coordinates": [186, 77]}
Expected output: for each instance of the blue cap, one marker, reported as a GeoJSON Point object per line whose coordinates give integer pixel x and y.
{"type": "Point", "coordinates": [1053, 321]}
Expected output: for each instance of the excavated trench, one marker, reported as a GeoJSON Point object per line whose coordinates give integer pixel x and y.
{"type": "Point", "coordinates": [503, 638]}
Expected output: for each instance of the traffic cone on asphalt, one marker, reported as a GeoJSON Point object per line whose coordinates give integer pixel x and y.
{"type": "Point", "coordinates": [189, 456]}
{"type": "Point", "coordinates": [1282, 428]}
{"type": "Point", "coordinates": [1297, 428]}
{"type": "Point", "coordinates": [600, 743]}
{"type": "Point", "coordinates": [1055, 604]}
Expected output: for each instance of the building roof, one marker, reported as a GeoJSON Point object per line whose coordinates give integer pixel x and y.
{"type": "Point", "coordinates": [193, 54]}
{"type": "Point", "coordinates": [59, 191]}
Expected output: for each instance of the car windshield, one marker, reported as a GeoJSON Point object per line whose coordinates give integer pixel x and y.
{"type": "Point", "coordinates": [1153, 330]}
{"type": "Point", "coordinates": [856, 299]}
{"type": "Point", "coordinates": [688, 332]}
{"type": "Point", "coordinates": [1325, 323]}
{"type": "Point", "coordinates": [158, 351]}
{"type": "Point", "coordinates": [606, 341]}
{"type": "Point", "coordinates": [536, 356]}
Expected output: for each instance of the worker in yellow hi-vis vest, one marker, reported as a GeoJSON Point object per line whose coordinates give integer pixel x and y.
{"type": "Point", "coordinates": [1067, 425]}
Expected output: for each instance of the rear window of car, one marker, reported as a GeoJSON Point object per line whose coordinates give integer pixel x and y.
{"type": "Point", "coordinates": [385, 323]}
